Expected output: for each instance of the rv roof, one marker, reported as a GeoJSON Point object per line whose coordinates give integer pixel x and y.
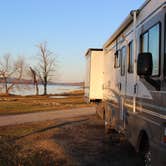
{"type": "Point", "coordinates": [123, 26]}
{"type": "Point", "coordinates": [93, 49]}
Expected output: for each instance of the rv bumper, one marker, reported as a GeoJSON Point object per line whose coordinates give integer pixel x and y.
{"type": "Point", "coordinates": [159, 155]}
{"type": "Point", "coordinates": [162, 154]}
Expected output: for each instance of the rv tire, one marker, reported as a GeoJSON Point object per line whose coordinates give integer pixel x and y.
{"type": "Point", "coordinates": [145, 150]}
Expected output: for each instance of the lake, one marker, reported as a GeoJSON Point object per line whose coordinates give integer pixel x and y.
{"type": "Point", "coordinates": [27, 89]}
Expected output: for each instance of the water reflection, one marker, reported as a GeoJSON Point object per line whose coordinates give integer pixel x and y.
{"type": "Point", "coordinates": [27, 89]}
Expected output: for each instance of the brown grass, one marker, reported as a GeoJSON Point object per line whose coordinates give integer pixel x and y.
{"type": "Point", "coordinates": [81, 141]}
{"type": "Point", "coordinates": [33, 144]}
{"type": "Point", "coordinates": [26, 104]}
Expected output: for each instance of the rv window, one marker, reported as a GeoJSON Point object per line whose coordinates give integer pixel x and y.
{"type": "Point", "coordinates": [131, 58]}
{"type": "Point", "coordinates": [117, 59]}
{"type": "Point", "coordinates": [144, 43]}
{"type": "Point", "coordinates": [150, 43]}
{"type": "Point", "coordinates": [154, 42]}
{"type": "Point", "coordinates": [123, 61]}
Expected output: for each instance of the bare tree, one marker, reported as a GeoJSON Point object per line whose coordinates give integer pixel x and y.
{"type": "Point", "coordinates": [46, 66]}
{"type": "Point", "coordinates": [35, 80]}
{"type": "Point", "coordinates": [11, 71]}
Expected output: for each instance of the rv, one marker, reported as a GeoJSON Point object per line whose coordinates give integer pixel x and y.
{"type": "Point", "coordinates": [134, 81]}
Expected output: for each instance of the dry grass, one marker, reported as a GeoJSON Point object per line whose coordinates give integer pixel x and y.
{"type": "Point", "coordinates": [33, 144]}
{"type": "Point", "coordinates": [26, 104]}
{"type": "Point", "coordinates": [81, 141]}
{"type": "Point", "coordinates": [44, 153]}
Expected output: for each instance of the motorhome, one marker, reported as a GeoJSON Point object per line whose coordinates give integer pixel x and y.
{"type": "Point", "coordinates": [134, 81]}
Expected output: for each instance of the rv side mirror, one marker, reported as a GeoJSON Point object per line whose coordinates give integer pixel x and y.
{"type": "Point", "coordinates": [144, 64]}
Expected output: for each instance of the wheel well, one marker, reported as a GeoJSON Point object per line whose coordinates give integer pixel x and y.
{"type": "Point", "coordinates": [143, 142]}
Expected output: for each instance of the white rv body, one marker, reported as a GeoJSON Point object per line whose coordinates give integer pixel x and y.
{"type": "Point", "coordinates": [94, 75]}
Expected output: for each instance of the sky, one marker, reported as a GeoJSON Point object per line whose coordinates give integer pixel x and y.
{"type": "Point", "coordinates": [70, 27]}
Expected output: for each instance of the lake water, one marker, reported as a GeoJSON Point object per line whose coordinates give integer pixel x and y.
{"type": "Point", "coordinates": [51, 89]}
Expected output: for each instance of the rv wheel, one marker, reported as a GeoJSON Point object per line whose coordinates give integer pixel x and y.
{"type": "Point", "coordinates": [148, 158]}
{"type": "Point", "coordinates": [145, 150]}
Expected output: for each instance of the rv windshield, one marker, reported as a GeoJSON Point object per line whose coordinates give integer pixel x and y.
{"type": "Point", "coordinates": [150, 43]}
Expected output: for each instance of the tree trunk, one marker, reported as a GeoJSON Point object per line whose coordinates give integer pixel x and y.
{"type": "Point", "coordinates": [45, 89]}
{"type": "Point", "coordinates": [35, 81]}
{"type": "Point", "coordinates": [37, 88]}
{"type": "Point", "coordinates": [6, 87]}
{"type": "Point", "coordinates": [45, 85]}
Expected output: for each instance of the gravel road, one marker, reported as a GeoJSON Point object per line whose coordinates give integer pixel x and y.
{"type": "Point", "coordinates": [43, 116]}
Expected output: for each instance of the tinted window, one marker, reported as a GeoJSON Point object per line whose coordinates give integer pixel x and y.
{"type": "Point", "coordinates": [150, 43]}
{"type": "Point", "coordinates": [131, 58]}
{"type": "Point", "coordinates": [123, 60]}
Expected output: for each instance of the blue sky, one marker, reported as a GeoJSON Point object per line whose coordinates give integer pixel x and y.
{"type": "Point", "coordinates": [69, 26]}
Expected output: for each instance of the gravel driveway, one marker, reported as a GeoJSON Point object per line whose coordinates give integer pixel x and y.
{"type": "Point", "coordinates": [43, 116]}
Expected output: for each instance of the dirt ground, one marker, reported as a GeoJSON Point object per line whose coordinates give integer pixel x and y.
{"type": "Point", "coordinates": [82, 141]}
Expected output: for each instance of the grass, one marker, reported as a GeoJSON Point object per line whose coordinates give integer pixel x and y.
{"type": "Point", "coordinates": [18, 144]}
{"type": "Point", "coordinates": [27, 104]}
{"type": "Point", "coordinates": [83, 141]}
{"type": "Point", "coordinates": [16, 131]}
